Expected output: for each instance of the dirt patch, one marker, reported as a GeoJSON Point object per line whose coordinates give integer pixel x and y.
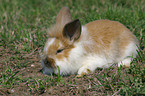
{"type": "Point", "coordinates": [31, 81]}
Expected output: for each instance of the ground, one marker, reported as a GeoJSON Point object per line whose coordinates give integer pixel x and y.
{"type": "Point", "coordinates": [31, 81]}
{"type": "Point", "coordinates": [23, 33]}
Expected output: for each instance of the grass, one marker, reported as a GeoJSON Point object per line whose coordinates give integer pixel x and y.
{"type": "Point", "coordinates": [23, 33]}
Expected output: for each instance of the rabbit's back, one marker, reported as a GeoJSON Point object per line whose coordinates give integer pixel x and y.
{"type": "Point", "coordinates": [110, 38]}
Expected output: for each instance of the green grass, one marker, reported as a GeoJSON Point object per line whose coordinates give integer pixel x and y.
{"type": "Point", "coordinates": [23, 33]}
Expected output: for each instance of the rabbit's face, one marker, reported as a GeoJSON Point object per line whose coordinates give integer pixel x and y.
{"type": "Point", "coordinates": [56, 54]}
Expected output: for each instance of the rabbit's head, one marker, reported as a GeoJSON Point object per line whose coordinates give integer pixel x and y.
{"type": "Point", "coordinates": [62, 38]}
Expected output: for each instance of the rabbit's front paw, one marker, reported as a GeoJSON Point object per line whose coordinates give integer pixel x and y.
{"type": "Point", "coordinates": [83, 71]}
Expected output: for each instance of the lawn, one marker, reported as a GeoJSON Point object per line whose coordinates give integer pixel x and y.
{"type": "Point", "coordinates": [23, 33]}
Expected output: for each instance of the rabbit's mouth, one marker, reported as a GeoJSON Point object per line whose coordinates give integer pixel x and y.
{"type": "Point", "coordinates": [47, 69]}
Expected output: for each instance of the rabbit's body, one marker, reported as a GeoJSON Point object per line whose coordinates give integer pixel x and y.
{"type": "Point", "coordinates": [76, 49]}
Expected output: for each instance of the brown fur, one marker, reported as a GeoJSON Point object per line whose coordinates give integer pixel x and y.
{"type": "Point", "coordinates": [52, 50]}
{"type": "Point", "coordinates": [109, 39]}
{"type": "Point", "coordinates": [65, 53]}
{"type": "Point", "coordinates": [106, 35]}
{"type": "Point", "coordinates": [56, 31]}
{"type": "Point", "coordinates": [106, 32]}
{"type": "Point", "coordinates": [63, 17]}
{"type": "Point", "coordinates": [51, 63]}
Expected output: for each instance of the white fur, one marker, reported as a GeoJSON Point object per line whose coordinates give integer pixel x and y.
{"type": "Point", "coordinates": [49, 42]}
{"type": "Point", "coordinates": [71, 64]}
{"type": "Point", "coordinates": [91, 62]}
{"type": "Point", "coordinates": [130, 53]}
{"type": "Point", "coordinates": [131, 50]}
{"type": "Point", "coordinates": [80, 61]}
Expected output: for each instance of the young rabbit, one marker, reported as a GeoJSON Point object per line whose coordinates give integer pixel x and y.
{"type": "Point", "coordinates": [72, 48]}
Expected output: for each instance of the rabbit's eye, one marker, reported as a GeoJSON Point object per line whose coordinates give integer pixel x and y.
{"type": "Point", "coordinates": [59, 51]}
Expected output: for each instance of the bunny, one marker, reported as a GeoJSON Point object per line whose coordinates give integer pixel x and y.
{"type": "Point", "coordinates": [75, 49]}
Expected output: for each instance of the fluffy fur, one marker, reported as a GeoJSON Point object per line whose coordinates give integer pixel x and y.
{"type": "Point", "coordinates": [81, 49]}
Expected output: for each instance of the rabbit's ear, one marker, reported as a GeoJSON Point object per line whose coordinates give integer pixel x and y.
{"type": "Point", "coordinates": [72, 30]}
{"type": "Point", "coordinates": [63, 17]}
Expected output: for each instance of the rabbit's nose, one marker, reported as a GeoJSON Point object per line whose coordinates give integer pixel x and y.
{"type": "Point", "coordinates": [46, 62]}
{"type": "Point", "coordinates": [49, 62]}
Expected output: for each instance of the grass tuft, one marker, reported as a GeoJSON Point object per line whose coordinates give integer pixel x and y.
{"type": "Point", "coordinates": [23, 33]}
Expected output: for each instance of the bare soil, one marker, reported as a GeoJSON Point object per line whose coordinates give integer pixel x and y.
{"type": "Point", "coordinates": [69, 85]}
